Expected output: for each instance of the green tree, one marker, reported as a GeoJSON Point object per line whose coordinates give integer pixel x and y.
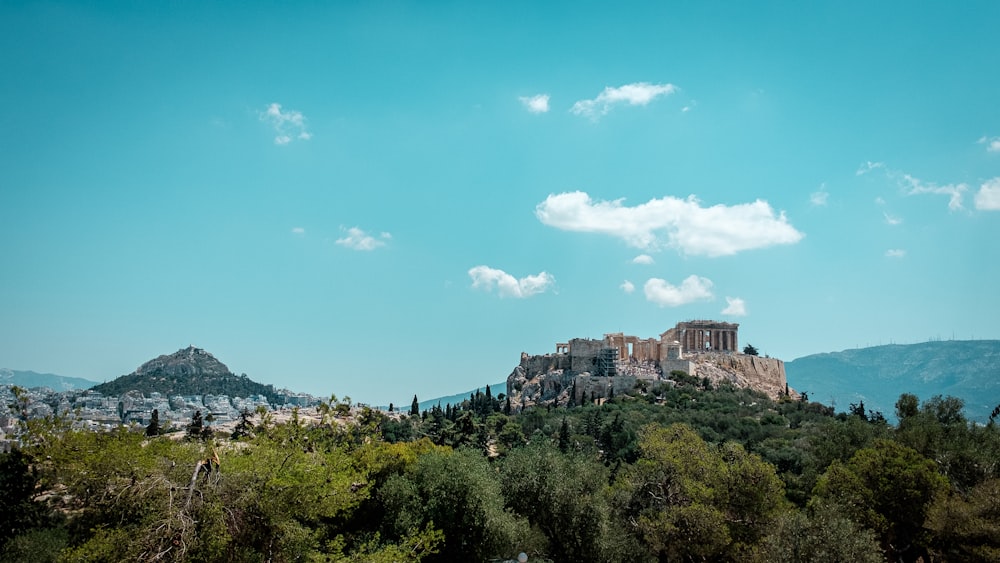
{"type": "Point", "coordinates": [153, 428]}
{"type": "Point", "coordinates": [196, 427]}
{"type": "Point", "coordinates": [458, 493]}
{"type": "Point", "coordinates": [822, 535]}
{"type": "Point", "coordinates": [888, 488]}
{"type": "Point", "coordinates": [966, 527]}
{"type": "Point", "coordinates": [564, 438]}
{"type": "Point", "coordinates": [415, 407]}
{"type": "Point", "coordinates": [562, 497]}
{"type": "Point", "coordinates": [749, 350]}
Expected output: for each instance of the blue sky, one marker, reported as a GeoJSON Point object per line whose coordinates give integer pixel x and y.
{"type": "Point", "coordinates": [385, 198]}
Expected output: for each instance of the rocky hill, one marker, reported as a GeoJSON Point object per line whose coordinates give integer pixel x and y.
{"type": "Point", "coordinates": [967, 369]}
{"type": "Point", "coordinates": [190, 371]}
{"type": "Point", "coordinates": [549, 379]}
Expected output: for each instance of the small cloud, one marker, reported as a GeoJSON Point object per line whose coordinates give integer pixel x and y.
{"type": "Point", "coordinates": [819, 197]}
{"type": "Point", "coordinates": [868, 167]}
{"type": "Point", "coordinates": [637, 94]}
{"type": "Point", "coordinates": [357, 239]}
{"type": "Point", "coordinates": [643, 259]}
{"type": "Point", "coordinates": [288, 124]}
{"type": "Point", "coordinates": [719, 230]}
{"type": "Point", "coordinates": [538, 103]}
{"type": "Point", "coordinates": [507, 285]}
{"type": "Point", "coordinates": [892, 219]}
{"type": "Point", "coordinates": [895, 253]}
{"type": "Point", "coordinates": [988, 196]}
{"type": "Point", "coordinates": [298, 231]}
{"type": "Point", "coordinates": [879, 201]}
{"type": "Point", "coordinates": [693, 288]}
{"type": "Point", "coordinates": [954, 191]}
{"type": "Point", "coordinates": [735, 307]}
{"type": "Point", "coordinates": [627, 286]}
{"type": "Point", "coordinates": [992, 143]}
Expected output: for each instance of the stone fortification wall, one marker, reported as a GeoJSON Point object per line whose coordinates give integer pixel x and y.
{"type": "Point", "coordinates": [582, 353]}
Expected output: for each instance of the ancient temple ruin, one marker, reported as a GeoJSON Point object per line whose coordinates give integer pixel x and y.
{"type": "Point", "coordinates": [686, 337]}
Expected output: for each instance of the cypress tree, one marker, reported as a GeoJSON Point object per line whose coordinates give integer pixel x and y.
{"type": "Point", "coordinates": [195, 428]}
{"type": "Point", "coordinates": [415, 407]}
{"type": "Point", "coordinates": [564, 436]}
{"type": "Point", "coordinates": [153, 429]}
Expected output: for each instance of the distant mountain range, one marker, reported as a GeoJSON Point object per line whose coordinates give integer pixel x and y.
{"type": "Point", "coordinates": [29, 379]}
{"type": "Point", "coordinates": [967, 369]}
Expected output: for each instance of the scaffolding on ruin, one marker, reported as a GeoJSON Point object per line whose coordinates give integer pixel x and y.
{"type": "Point", "coordinates": [606, 362]}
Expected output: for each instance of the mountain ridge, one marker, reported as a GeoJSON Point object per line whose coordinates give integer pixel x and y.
{"type": "Point", "coordinates": [877, 375]}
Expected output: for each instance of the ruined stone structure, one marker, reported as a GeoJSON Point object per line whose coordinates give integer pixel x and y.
{"type": "Point", "coordinates": [702, 348]}
{"type": "Point", "coordinates": [688, 336]}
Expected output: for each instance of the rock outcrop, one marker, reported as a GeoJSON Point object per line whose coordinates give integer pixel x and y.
{"type": "Point", "coordinates": [548, 379]}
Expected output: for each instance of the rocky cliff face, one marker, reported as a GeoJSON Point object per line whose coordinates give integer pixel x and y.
{"type": "Point", "coordinates": [548, 379]}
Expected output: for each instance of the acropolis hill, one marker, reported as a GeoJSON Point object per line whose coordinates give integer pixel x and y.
{"type": "Point", "coordinates": [617, 362]}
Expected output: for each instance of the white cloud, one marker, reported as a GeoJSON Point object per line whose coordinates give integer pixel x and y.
{"type": "Point", "coordinates": [988, 196]}
{"type": "Point", "coordinates": [895, 253]}
{"type": "Point", "coordinates": [819, 197]}
{"type": "Point", "coordinates": [892, 219]}
{"type": "Point", "coordinates": [954, 192]}
{"type": "Point", "coordinates": [288, 125]}
{"type": "Point", "coordinates": [868, 167]}
{"type": "Point", "coordinates": [536, 104]}
{"type": "Point", "coordinates": [627, 286]}
{"type": "Point", "coordinates": [879, 201]}
{"type": "Point", "coordinates": [507, 285]}
{"type": "Point", "coordinates": [298, 231]}
{"type": "Point", "coordinates": [643, 259]}
{"type": "Point", "coordinates": [735, 307]}
{"type": "Point", "coordinates": [992, 143]}
{"type": "Point", "coordinates": [682, 224]}
{"type": "Point", "coordinates": [637, 94]}
{"type": "Point", "coordinates": [693, 288]}
{"type": "Point", "coordinates": [357, 239]}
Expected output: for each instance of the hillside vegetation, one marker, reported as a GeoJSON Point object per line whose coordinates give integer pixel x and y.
{"type": "Point", "coordinates": [672, 472]}
{"type": "Point", "coordinates": [969, 370]}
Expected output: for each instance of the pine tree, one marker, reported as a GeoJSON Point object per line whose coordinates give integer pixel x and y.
{"type": "Point", "coordinates": [564, 436]}
{"type": "Point", "coordinates": [506, 407]}
{"type": "Point", "coordinates": [415, 407]}
{"type": "Point", "coordinates": [390, 407]}
{"type": "Point", "coordinates": [572, 396]}
{"type": "Point", "coordinates": [196, 426]}
{"type": "Point", "coordinates": [153, 429]}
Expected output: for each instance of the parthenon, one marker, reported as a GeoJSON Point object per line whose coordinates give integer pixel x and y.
{"type": "Point", "coordinates": [685, 338]}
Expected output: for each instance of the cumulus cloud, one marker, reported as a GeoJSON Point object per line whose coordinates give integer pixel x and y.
{"type": "Point", "coordinates": [682, 224]}
{"type": "Point", "coordinates": [643, 259]}
{"type": "Point", "coordinates": [914, 186]}
{"type": "Point", "coordinates": [637, 94]}
{"type": "Point", "coordinates": [819, 197]}
{"type": "Point", "coordinates": [287, 124]}
{"type": "Point", "coordinates": [992, 143]}
{"type": "Point", "coordinates": [298, 231]}
{"type": "Point", "coordinates": [627, 286]}
{"type": "Point", "coordinates": [735, 307]}
{"type": "Point", "coordinates": [693, 288]}
{"type": "Point", "coordinates": [892, 219]}
{"type": "Point", "coordinates": [356, 239]}
{"type": "Point", "coordinates": [868, 167]}
{"type": "Point", "coordinates": [988, 196]}
{"type": "Point", "coordinates": [507, 285]}
{"type": "Point", "coordinates": [895, 253]}
{"type": "Point", "coordinates": [538, 103]}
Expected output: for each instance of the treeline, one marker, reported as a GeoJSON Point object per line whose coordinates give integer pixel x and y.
{"type": "Point", "coordinates": [677, 472]}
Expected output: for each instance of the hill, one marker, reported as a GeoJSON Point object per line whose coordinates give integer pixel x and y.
{"type": "Point", "coordinates": [967, 369]}
{"type": "Point", "coordinates": [495, 389]}
{"type": "Point", "coordinates": [190, 371]}
{"type": "Point", "coordinates": [29, 379]}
